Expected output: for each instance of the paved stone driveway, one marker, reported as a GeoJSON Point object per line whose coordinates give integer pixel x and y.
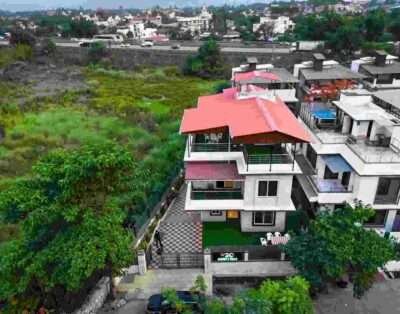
{"type": "Point", "coordinates": [181, 231]}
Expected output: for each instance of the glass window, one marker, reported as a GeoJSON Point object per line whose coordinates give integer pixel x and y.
{"type": "Point", "coordinates": [264, 218]}
{"type": "Point", "coordinates": [387, 191]}
{"type": "Point", "coordinates": [267, 188]}
{"type": "Point", "coordinates": [378, 219]}
{"type": "Point", "coordinates": [216, 213]}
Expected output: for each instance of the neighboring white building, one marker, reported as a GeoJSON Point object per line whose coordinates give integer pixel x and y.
{"type": "Point", "coordinates": [136, 28]}
{"type": "Point", "coordinates": [199, 23]}
{"type": "Point", "coordinates": [281, 24]}
{"type": "Point", "coordinates": [382, 71]}
{"type": "Point", "coordinates": [353, 155]}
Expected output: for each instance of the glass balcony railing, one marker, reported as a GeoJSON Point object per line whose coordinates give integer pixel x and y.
{"type": "Point", "coordinates": [217, 194]}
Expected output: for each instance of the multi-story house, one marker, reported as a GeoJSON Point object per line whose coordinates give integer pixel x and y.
{"type": "Point", "coordinates": [196, 24]}
{"type": "Point", "coordinates": [265, 81]}
{"type": "Point", "coordinates": [321, 80]}
{"type": "Point", "coordinates": [240, 159]}
{"type": "Point", "coordinates": [353, 155]}
{"type": "Point", "coordinates": [381, 71]}
{"type": "Point", "coordinates": [280, 24]}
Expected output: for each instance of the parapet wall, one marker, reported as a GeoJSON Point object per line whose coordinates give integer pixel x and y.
{"type": "Point", "coordinates": [126, 58]}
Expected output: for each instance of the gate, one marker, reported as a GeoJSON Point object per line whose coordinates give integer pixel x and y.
{"type": "Point", "coordinates": [182, 260]}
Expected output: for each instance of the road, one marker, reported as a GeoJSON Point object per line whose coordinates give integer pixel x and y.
{"type": "Point", "coordinates": [280, 50]}
{"type": "Point", "coordinates": [189, 48]}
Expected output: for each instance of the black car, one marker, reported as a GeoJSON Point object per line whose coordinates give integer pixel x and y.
{"type": "Point", "coordinates": [157, 304]}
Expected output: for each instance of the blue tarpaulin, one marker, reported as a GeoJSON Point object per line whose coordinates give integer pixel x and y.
{"type": "Point", "coordinates": [337, 163]}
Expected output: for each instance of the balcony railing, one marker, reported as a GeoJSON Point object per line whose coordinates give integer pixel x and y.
{"type": "Point", "coordinates": [231, 194]}
{"type": "Point", "coordinates": [329, 185]}
{"type": "Point", "coordinates": [269, 159]}
{"type": "Point", "coordinates": [214, 147]}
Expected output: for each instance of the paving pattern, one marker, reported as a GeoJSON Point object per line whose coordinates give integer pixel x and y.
{"type": "Point", "coordinates": [181, 232]}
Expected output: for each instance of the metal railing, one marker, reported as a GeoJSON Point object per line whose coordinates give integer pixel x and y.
{"type": "Point", "coordinates": [217, 194]}
{"type": "Point", "coordinates": [269, 159]}
{"type": "Point", "coordinates": [332, 189]}
{"type": "Point", "coordinates": [214, 147]}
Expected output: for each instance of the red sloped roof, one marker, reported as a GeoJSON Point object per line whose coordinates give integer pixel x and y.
{"type": "Point", "coordinates": [211, 171]}
{"type": "Point", "coordinates": [246, 76]}
{"type": "Point", "coordinates": [243, 117]}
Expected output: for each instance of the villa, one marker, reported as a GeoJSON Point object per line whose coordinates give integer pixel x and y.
{"type": "Point", "coordinates": [240, 158]}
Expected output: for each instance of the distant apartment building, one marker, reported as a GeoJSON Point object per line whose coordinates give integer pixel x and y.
{"type": "Point", "coordinates": [240, 157]}
{"type": "Point", "coordinates": [382, 71]}
{"type": "Point", "coordinates": [196, 24]}
{"type": "Point", "coordinates": [353, 155]}
{"type": "Point", "coordinates": [281, 24]}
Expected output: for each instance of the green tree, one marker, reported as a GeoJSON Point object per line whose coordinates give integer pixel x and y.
{"type": "Point", "coordinates": [207, 63]}
{"type": "Point", "coordinates": [374, 25]}
{"type": "Point", "coordinates": [251, 301]}
{"type": "Point", "coordinates": [97, 51]}
{"type": "Point", "coordinates": [22, 37]}
{"type": "Point", "coordinates": [346, 40]}
{"type": "Point", "coordinates": [70, 224]}
{"type": "Point", "coordinates": [336, 244]}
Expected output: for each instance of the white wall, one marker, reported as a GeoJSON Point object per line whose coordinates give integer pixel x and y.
{"type": "Point", "coordinates": [360, 128]}
{"type": "Point", "coordinates": [246, 222]}
{"type": "Point", "coordinates": [205, 216]}
{"type": "Point", "coordinates": [281, 201]}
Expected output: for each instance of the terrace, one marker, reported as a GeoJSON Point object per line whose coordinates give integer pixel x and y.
{"type": "Point", "coordinates": [322, 119]}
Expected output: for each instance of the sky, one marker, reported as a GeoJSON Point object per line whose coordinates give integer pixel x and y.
{"type": "Point", "coordinates": [27, 5]}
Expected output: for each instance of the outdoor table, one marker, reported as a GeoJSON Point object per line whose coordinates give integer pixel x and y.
{"type": "Point", "coordinates": [279, 240]}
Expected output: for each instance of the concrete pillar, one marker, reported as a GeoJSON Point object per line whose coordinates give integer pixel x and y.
{"type": "Point", "coordinates": [246, 256]}
{"type": "Point", "coordinates": [390, 220]}
{"type": "Point", "coordinates": [282, 256]}
{"type": "Point", "coordinates": [346, 124]}
{"type": "Point", "coordinates": [142, 262]}
{"type": "Point", "coordinates": [207, 261]}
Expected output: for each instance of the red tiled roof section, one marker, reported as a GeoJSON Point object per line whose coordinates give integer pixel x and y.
{"type": "Point", "coordinates": [246, 76]}
{"type": "Point", "coordinates": [212, 171]}
{"type": "Point", "coordinates": [265, 120]}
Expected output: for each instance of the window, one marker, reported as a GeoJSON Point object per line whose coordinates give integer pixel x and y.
{"type": "Point", "coordinates": [311, 156]}
{"type": "Point", "coordinates": [378, 219]}
{"type": "Point", "coordinates": [263, 218]}
{"type": "Point", "coordinates": [387, 191]}
{"type": "Point", "coordinates": [267, 188]}
{"type": "Point", "coordinates": [329, 174]}
{"type": "Point", "coordinates": [216, 213]}
{"type": "Point", "coordinates": [225, 184]}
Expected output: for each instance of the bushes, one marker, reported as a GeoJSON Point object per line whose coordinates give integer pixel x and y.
{"type": "Point", "coordinates": [48, 47]}
{"type": "Point", "coordinates": [23, 52]}
{"type": "Point", "coordinates": [97, 51]}
{"type": "Point", "coordinates": [20, 36]}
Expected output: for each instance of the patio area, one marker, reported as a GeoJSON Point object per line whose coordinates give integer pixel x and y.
{"type": "Point", "coordinates": [228, 233]}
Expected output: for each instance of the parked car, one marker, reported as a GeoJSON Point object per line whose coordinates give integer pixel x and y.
{"type": "Point", "coordinates": [157, 304]}
{"type": "Point", "coordinates": [85, 43]}
{"type": "Point", "coordinates": [175, 46]}
{"type": "Point", "coordinates": [147, 44]}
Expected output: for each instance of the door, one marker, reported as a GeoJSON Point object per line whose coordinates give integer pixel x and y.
{"type": "Point", "coordinates": [233, 215]}
{"type": "Point", "coordinates": [346, 178]}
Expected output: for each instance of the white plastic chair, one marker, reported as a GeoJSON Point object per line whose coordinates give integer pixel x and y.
{"type": "Point", "coordinates": [277, 234]}
{"type": "Point", "coordinates": [269, 236]}
{"type": "Point", "coordinates": [263, 241]}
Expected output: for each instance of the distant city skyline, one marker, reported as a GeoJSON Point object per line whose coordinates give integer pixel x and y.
{"type": "Point", "coordinates": [31, 5]}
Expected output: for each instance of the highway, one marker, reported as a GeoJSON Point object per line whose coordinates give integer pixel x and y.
{"type": "Point", "coordinates": [164, 47]}
{"type": "Point", "coordinates": [189, 48]}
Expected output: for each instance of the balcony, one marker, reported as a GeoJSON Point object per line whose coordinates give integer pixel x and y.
{"type": "Point", "coordinates": [330, 191]}
{"type": "Point", "coordinates": [214, 198]}
{"type": "Point", "coordinates": [378, 151]}
{"type": "Point", "coordinates": [266, 155]}
{"type": "Point", "coordinates": [217, 194]}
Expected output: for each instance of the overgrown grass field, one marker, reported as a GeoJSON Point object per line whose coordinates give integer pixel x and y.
{"type": "Point", "coordinates": [139, 110]}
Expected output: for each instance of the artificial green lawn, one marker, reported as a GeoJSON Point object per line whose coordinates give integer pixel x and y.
{"type": "Point", "coordinates": [228, 233]}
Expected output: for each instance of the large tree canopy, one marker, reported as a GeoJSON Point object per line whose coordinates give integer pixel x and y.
{"type": "Point", "coordinates": [337, 244]}
{"type": "Point", "coordinates": [70, 225]}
